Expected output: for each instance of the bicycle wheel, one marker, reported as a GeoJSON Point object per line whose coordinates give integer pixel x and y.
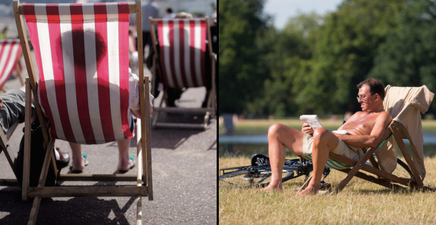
{"type": "Point", "coordinates": [250, 178]}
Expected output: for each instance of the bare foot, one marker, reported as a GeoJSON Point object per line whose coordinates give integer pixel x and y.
{"type": "Point", "coordinates": [78, 165]}
{"type": "Point", "coordinates": [126, 167]}
{"type": "Point", "coordinates": [307, 192]}
{"type": "Point", "coordinates": [271, 189]}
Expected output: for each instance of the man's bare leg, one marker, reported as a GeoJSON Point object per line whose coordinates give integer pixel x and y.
{"type": "Point", "coordinates": [279, 135]}
{"type": "Point", "coordinates": [324, 142]}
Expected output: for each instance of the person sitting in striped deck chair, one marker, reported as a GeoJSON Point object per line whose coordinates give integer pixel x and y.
{"type": "Point", "coordinates": [364, 129]}
{"type": "Point", "coordinates": [78, 162]}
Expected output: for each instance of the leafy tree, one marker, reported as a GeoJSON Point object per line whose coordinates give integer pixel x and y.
{"type": "Point", "coordinates": [344, 54]}
{"type": "Point", "coordinates": [290, 51]}
{"type": "Point", "coordinates": [240, 71]}
{"type": "Point", "coordinates": [408, 56]}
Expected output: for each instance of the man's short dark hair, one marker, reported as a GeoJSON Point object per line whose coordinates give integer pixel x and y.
{"type": "Point", "coordinates": [375, 86]}
{"type": "Point", "coordinates": [169, 10]}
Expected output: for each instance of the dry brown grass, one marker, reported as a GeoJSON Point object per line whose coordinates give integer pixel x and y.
{"type": "Point", "coordinates": [361, 202]}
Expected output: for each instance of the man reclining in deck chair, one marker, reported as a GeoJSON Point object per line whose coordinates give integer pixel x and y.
{"type": "Point", "coordinates": [364, 129]}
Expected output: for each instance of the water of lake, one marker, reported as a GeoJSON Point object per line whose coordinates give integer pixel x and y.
{"type": "Point", "coordinates": [252, 142]}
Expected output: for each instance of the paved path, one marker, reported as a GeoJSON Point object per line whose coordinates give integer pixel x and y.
{"type": "Point", "coordinates": [184, 175]}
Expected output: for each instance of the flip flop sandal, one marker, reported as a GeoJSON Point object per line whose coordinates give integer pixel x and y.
{"type": "Point", "coordinates": [85, 161]}
{"type": "Point", "coordinates": [131, 157]}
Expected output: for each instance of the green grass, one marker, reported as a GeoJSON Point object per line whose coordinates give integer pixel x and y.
{"type": "Point", "coordinates": [361, 202]}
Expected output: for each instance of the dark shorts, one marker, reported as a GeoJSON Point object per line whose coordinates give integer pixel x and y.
{"type": "Point", "coordinates": [12, 109]}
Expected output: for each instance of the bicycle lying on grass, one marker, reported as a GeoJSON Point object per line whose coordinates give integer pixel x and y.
{"type": "Point", "coordinates": [258, 174]}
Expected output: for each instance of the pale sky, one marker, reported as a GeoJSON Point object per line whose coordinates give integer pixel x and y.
{"type": "Point", "coordinates": [282, 10]}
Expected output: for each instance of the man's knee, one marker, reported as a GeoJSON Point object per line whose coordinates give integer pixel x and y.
{"type": "Point", "coordinates": [275, 129]}
{"type": "Point", "coordinates": [320, 134]}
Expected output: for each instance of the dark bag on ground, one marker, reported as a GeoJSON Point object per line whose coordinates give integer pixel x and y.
{"type": "Point", "coordinates": [37, 151]}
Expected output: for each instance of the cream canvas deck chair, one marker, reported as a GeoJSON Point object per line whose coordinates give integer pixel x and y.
{"type": "Point", "coordinates": [83, 90]}
{"type": "Point", "coordinates": [180, 61]}
{"type": "Point", "coordinates": [405, 105]}
{"type": "Point", "coordinates": [10, 54]}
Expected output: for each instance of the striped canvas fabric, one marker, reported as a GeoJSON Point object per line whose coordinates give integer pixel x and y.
{"type": "Point", "coordinates": [10, 50]}
{"type": "Point", "coordinates": [333, 164]}
{"type": "Point", "coordinates": [182, 44]}
{"type": "Point", "coordinates": [330, 163]}
{"type": "Point", "coordinates": [83, 60]}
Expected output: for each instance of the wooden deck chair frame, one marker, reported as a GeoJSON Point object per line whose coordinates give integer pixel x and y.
{"type": "Point", "coordinates": [5, 147]}
{"type": "Point", "coordinates": [9, 71]}
{"type": "Point", "coordinates": [157, 70]}
{"type": "Point", "coordinates": [383, 178]}
{"type": "Point", "coordinates": [354, 168]}
{"type": "Point", "coordinates": [142, 181]}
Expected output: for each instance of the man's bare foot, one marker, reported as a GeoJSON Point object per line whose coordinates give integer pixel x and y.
{"type": "Point", "coordinates": [307, 192]}
{"type": "Point", "coordinates": [271, 189]}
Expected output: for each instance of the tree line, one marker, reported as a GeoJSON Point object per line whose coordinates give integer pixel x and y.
{"type": "Point", "coordinates": [315, 62]}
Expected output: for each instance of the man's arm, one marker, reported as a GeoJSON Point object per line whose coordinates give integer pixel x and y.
{"type": "Point", "coordinates": [374, 138]}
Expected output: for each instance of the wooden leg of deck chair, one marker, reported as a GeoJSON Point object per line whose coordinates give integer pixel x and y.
{"type": "Point", "coordinates": [409, 161]}
{"type": "Point", "coordinates": [139, 210]}
{"type": "Point", "coordinates": [374, 163]}
{"type": "Point", "coordinates": [146, 147]}
{"type": "Point", "coordinates": [305, 184]}
{"type": "Point", "coordinates": [27, 140]}
{"type": "Point", "coordinates": [355, 169]}
{"type": "Point", "coordinates": [139, 183]}
{"type": "Point", "coordinates": [406, 155]}
{"type": "Point", "coordinates": [42, 178]}
{"type": "Point", "coordinates": [34, 212]}
{"type": "Point", "coordinates": [11, 163]}
{"type": "Point", "coordinates": [140, 176]}
{"type": "Point", "coordinates": [156, 117]}
{"type": "Point", "coordinates": [5, 146]}
{"type": "Point", "coordinates": [148, 162]}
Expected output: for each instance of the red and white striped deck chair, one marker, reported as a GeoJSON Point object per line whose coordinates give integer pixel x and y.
{"type": "Point", "coordinates": [180, 60]}
{"type": "Point", "coordinates": [10, 54]}
{"type": "Point", "coordinates": [82, 55]}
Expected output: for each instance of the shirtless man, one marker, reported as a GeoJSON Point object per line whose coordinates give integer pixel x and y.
{"type": "Point", "coordinates": [364, 129]}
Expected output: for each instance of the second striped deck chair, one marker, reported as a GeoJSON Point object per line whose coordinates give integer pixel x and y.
{"type": "Point", "coordinates": [180, 60]}
{"type": "Point", "coordinates": [405, 104]}
{"type": "Point", "coordinates": [82, 55]}
{"type": "Point", "coordinates": [10, 54]}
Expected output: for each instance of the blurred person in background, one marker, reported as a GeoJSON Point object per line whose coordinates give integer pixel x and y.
{"type": "Point", "coordinates": [169, 14]}
{"type": "Point", "coordinates": [151, 9]}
